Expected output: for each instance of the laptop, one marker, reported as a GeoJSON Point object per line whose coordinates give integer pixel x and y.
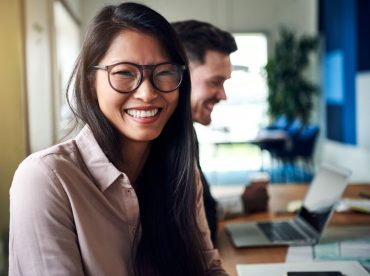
{"type": "Point", "coordinates": [309, 223]}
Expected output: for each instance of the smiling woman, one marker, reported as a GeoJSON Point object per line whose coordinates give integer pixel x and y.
{"type": "Point", "coordinates": [123, 197]}
{"type": "Point", "coordinates": [138, 116]}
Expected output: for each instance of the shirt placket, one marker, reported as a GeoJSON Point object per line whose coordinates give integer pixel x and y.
{"type": "Point", "coordinates": [131, 205]}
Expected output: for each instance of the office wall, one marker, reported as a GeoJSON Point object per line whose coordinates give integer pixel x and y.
{"type": "Point", "coordinates": [12, 100]}
{"type": "Point", "coordinates": [75, 7]}
{"type": "Point", "coordinates": [362, 104]}
{"type": "Point", "coordinates": [353, 40]}
{"type": "Point", "coordinates": [354, 157]}
{"type": "Point", "coordinates": [232, 15]}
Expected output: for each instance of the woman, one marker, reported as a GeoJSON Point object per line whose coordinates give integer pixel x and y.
{"type": "Point", "coordinates": [123, 197]}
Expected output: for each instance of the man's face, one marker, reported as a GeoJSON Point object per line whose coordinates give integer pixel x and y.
{"type": "Point", "coordinates": [207, 84]}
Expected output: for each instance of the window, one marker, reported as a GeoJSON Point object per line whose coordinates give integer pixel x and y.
{"type": "Point", "coordinates": [67, 46]}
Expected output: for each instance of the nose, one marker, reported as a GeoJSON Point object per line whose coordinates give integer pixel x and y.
{"type": "Point", "coordinates": [222, 94]}
{"type": "Point", "coordinates": [146, 92]}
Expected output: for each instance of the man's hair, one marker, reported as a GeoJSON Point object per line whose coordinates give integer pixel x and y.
{"type": "Point", "coordinates": [198, 37]}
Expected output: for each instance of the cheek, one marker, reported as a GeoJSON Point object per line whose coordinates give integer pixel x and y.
{"type": "Point", "coordinates": [105, 95]}
{"type": "Point", "coordinates": [110, 104]}
{"type": "Point", "coordinates": [199, 87]}
{"type": "Point", "coordinates": [200, 92]}
{"type": "Point", "coordinates": [110, 101]}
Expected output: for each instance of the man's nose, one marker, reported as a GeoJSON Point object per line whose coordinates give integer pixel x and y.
{"type": "Point", "coordinates": [221, 95]}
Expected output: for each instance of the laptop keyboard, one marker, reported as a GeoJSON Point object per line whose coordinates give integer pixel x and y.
{"type": "Point", "coordinates": [280, 231]}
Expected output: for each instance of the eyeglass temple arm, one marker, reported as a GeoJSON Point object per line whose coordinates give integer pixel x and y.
{"type": "Point", "coordinates": [103, 67]}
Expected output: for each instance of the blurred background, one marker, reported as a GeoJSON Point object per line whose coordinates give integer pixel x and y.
{"type": "Point", "coordinates": [40, 40]}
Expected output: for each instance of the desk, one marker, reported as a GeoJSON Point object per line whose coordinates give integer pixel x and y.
{"type": "Point", "coordinates": [280, 195]}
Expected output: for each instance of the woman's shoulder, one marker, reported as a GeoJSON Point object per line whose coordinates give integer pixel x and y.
{"type": "Point", "coordinates": [65, 148]}
{"type": "Point", "coordinates": [37, 194]}
{"type": "Point", "coordinates": [44, 163]}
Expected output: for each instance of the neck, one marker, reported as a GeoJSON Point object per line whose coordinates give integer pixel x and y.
{"type": "Point", "coordinates": [134, 155]}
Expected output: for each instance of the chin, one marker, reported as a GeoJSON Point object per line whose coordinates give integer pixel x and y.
{"type": "Point", "coordinates": [143, 137]}
{"type": "Point", "coordinates": [206, 121]}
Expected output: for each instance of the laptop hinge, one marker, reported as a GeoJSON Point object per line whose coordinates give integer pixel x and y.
{"type": "Point", "coordinates": [307, 228]}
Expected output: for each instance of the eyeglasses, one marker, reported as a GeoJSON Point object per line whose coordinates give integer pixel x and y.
{"type": "Point", "coordinates": [125, 77]}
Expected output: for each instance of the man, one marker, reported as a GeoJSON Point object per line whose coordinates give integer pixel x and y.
{"type": "Point", "coordinates": [208, 49]}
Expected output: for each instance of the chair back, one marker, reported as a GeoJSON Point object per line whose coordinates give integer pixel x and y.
{"type": "Point", "coordinates": [306, 140]}
{"type": "Point", "coordinates": [281, 122]}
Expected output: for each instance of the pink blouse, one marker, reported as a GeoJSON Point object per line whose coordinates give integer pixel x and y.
{"type": "Point", "coordinates": [72, 212]}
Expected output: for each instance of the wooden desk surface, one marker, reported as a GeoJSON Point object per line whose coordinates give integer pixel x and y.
{"type": "Point", "coordinates": [280, 195]}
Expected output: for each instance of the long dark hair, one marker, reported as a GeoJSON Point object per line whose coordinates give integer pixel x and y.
{"type": "Point", "coordinates": [170, 242]}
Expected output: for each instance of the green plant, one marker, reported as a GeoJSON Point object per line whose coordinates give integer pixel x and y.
{"type": "Point", "coordinates": [290, 93]}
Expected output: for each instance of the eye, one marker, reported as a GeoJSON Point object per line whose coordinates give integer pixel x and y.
{"type": "Point", "coordinates": [124, 74]}
{"type": "Point", "coordinates": [216, 83]}
{"type": "Point", "coordinates": [165, 73]}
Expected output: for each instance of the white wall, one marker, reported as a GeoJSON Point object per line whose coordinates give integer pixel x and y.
{"type": "Point", "coordinates": [39, 75]}
{"type": "Point", "coordinates": [356, 158]}
{"type": "Point", "coordinates": [362, 107]}
{"type": "Point", "coordinates": [75, 7]}
{"type": "Point", "coordinates": [232, 15]}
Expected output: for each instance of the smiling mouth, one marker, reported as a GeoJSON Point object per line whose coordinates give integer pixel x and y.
{"type": "Point", "coordinates": [136, 113]}
{"type": "Point", "coordinates": [210, 105]}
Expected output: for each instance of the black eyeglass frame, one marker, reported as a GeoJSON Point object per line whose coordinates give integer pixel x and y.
{"type": "Point", "coordinates": [141, 68]}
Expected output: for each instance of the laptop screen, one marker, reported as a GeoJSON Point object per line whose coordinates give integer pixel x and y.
{"type": "Point", "coordinates": [325, 191]}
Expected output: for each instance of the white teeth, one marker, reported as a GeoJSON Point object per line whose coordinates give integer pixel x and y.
{"type": "Point", "coordinates": [142, 113]}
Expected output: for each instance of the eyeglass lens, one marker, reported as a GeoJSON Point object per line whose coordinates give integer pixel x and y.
{"type": "Point", "coordinates": [126, 77]}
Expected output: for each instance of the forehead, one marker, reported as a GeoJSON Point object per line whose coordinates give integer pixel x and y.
{"type": "Point", "coordinates": [137, 47]}
{"type": "Point", "coordinates": [215, 64]}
